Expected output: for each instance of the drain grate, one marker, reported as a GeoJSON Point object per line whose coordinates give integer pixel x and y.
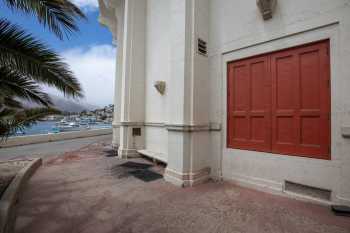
{"type": "Point", "coordinates": [322, 194]}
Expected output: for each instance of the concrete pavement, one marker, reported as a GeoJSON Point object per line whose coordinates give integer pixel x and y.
{"type": "Point", "coordinates": [87, 191]}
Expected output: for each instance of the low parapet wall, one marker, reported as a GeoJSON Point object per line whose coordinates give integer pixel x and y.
{"type": "Point", "coordinates": [42, 138]}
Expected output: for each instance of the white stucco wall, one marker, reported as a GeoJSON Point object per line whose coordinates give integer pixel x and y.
{"type": "Point", "coordinates": [237, 31]}
{"type": "Point", "coordinates": [160, 44]}
{"type": "Point", "coordinates": [157, 58]}
{"type": "Point", "coordinates": [157, 69]}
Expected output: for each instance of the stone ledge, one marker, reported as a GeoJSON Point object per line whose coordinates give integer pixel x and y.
{"type": "Point", "coordinates": [153, 155]}
{"type": "Point", "coordinates": [10, 197]}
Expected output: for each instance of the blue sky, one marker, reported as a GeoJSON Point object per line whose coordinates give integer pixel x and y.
{"type": "Point", "coordinates": [89, 53]}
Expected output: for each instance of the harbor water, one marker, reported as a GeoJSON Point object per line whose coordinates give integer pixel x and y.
{"type": "Point", "coordinates": [45, 127]}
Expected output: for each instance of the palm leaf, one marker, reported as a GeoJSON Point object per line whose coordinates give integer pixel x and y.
{"type": "Point", "coordinates": [20, 52]}
{"type": "Point", "coordinates": [10, 102]}
{"type": "Point", "coordinates": [18, 86]}
{"type": "Point", "coordinates": [11, 121]}
{"type": "Point", "coordinates": [60, 16]}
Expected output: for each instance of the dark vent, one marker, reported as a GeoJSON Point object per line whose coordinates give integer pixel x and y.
{"type": "Point", "coordinates": [136, 131]}
{"type": "Point", "coordinates": [202, 47]}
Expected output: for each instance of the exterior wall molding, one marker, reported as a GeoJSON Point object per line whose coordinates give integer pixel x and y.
{"type": "Point", "coordinates": [115, 125]}
{"type": "Point", "coordinates": [241, 45]}
{"type": "Point", "coordinates": [187, 179]}
{"type": "Point", "coordinates": [187, 128]}
{"type": "Point", "coordinates": [194, 127]}
{"type": "Point", "coordinates": [128, 123]}
{"type": "Point", "coordinates": [155, 124]}
{"type": "Point", "coordinates": [213, 126]}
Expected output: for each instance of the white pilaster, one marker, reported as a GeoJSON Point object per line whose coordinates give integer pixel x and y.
{"type": "Point", "coordinates": [132, 84]}
{"type": "Point", "coordinates": [188, 118]}
{"type": "Point", "coordinates": [112, 16]}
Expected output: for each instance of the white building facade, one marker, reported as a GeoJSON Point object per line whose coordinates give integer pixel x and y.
{"type": "Point", "coordinates": [255, 93]}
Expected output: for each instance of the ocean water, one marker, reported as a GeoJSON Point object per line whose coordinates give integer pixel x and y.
{"type": "Point", "coordinates": [45, 127]}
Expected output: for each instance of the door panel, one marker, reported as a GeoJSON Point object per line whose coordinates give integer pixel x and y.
{"type": "Point", "coordinates": [249, 104]}
{"type": "Point", "coordinates": [284, 102]}
{"type": "Point", "coordinates": [314, 114]}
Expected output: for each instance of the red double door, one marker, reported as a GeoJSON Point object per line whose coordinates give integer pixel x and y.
{"type": "Point", "coordinates": [280, 102]}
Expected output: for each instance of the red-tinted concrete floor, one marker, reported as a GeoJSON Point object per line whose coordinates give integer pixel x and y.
{"type": "Point", "coordinates": [85, 191]}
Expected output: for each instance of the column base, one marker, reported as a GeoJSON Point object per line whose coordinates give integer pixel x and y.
{"type": "Point", "coordinates": [187, 179]}
{"type": "Point", "coordinates": [128, 153]}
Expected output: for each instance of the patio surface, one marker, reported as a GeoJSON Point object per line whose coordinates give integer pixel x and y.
{"type": "Point", "coordinates": [89, 191]}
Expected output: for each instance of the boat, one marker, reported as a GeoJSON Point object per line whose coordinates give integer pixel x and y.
{"type": "Point", "coordinates": [64, 126]}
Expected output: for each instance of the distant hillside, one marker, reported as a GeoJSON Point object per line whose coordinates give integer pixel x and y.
{"type": "Point", "coordinates": [68, 105]}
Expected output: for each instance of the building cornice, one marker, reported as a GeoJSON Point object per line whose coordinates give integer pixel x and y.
{"type": "Point", "coordinates": [108, 17]}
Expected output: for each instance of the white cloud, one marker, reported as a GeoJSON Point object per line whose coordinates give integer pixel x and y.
{"type": "Point", "coordinates": [87, 4]}
{"type": "Point", "coordinates": [95, 69]}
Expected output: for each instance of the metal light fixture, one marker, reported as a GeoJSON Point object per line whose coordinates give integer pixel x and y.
{"type": "Point", "coordinates": [160, 86]}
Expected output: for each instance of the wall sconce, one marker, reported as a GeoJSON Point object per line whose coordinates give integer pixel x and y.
{"type": "Point", "coordinates": [266, 8]}
{"type": "Point", "coordinates": [160, 86]}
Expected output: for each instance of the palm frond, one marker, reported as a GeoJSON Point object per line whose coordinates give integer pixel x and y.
{"type": "Point", "coordinates": [6, 112]}
{"type": "Point", "coordinates": [15, 85]}
{"type": "Point", "coordinates": [10, 102]}
{"type": "Point", "coordinates": [60, 16]}
{"type": "Point", "coordinates": [11, 121]}
{"type": "Point", "coordinates": [19, 51]}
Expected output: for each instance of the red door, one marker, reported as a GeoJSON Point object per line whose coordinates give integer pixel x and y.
{"type": "Point", "coordinates": [249, 104]}
{"type": "Point", "coordinates": [280, 102]}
